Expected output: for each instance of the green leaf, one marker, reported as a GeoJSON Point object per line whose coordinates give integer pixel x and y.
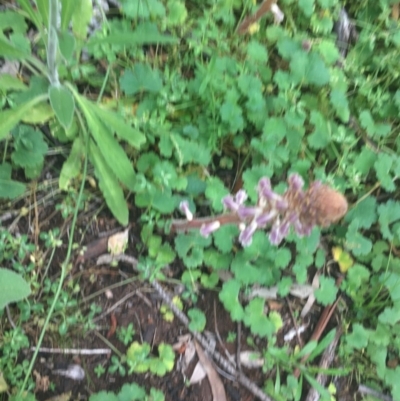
{"type": "Point", "coordinates": [145, 33]}
{"type": "Point", "coordinates": [215, 192]}
{"type": "Point", "coordinates": [364, 212]}
{"type": "Point", "coordinates": [11, 83]}
{"type": "Point", "coordinates": [130, 392]}
{"type": "Point", "coordinates": [81, 18]}
{"type": "Point", "coordinates": [143, 9]}
{"type": "Point", "coordinates": [116, 124]}
{"type": "Point", "coordinates": [225, 237]}
{"type": "Point", "coordinates": [339, 102]}
{"type": "Point", "coordinates": [307, 6]}
{"type": "Point", "coordinates": [197, 320]}
{"type": "Point", "coordinates": [13, 287]}
{"type": "Point", "coordinates": [257, 52]}
{"type": "Point", "coordinates": [43, 7]}
{"type": "Point", "coordinates": [255, 319]}
{"type": "Point", "coordinates": [355, 241]}
{"type": "Point", "coordinates": [320, 137]}
{"type": "Point", "coordinates": [141, 78]}
{"type": "Point", "coordinates": [358, 339]}
{"type": "Point", "coordinates": [68, 8]}
{"type": "Point", "coordinates": [72, 166]}
{"type": "Point", "coordinates": [389, 316]}
{"type": "Point", "coordinates": [317, 73]}
{"type": "Point", "coordinates": [282, 258]}
{"type": "Point", "coordinates": [190, 151]}
{"type": "Point", "coordinates": [328, 50]}
{"type": "Point", "coordinates": [388, 213]}
{"type": "Point", "coordinates": [11, 20]}
{"type": "Point", "coordinates": [10, 118]}
{"type": "Point", "coordinates": [364, 161]}
{"type": "Point", "coordinates": [229, 296]}
{"type": "Point", "coordinates": [32, 13]}
{"type": "Point", "coordinates": [322, 345]}
{"type": "Point", "coordinates": [111, 150]}
{"type": "Point", "coordinates": [177, 13]}
{"type": "Point", "coordinates": [383, 167]}
{"type": "Point", "coordinates": [109, 186]}
{"type": "Point", "coordinates": [190, 248]}
{"type": "Point", "coordinates": [66, 44]}
{"type": "Point", "coordinates": [29, 147]}
{"type": "Point", "coordinates": [9, 188]}
{"type": "Point", "coordinates": [327, 291]}
{"type": "Point", "coordinates": [63, 104]}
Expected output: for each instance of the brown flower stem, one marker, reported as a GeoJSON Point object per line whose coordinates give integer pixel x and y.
{"type": "Point", "coordinates": [182, 225]}
{"type": "Point", "coordinates": [263, 9]}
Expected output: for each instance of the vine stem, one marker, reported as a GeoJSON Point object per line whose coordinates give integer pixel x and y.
{"type": "Point", "coordinates": [64, 266]}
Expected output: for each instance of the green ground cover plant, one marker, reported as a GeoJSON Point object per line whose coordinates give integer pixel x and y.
{"type": "Point", "coordinates": [164, 103]}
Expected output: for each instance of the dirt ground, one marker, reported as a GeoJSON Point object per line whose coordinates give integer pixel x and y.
{"type": "Point", "coordinates": [141, 308]}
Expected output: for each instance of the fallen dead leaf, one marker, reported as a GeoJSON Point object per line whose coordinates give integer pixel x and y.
{"type": "Point", "coordinates": [311, 298]}
{"type": "Point", "coordinates": [251, 359]}
{"type": "Point", "coordinates": [117, 242]}
{"type": "Point", "coordinates": [186, 348]}
{"type": "Point", "coordinates": [198, 374]}
{"type": "Point", "coordinates": [42, 383]}
{"type": "Point", "coordinates": [217, 388]}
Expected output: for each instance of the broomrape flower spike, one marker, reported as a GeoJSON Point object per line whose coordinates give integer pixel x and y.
{"type": "Point", "coordinates": [319, 205]}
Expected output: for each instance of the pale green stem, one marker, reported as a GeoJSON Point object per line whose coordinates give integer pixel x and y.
{"type": "Point", "coordinates": [64, 267]}
{"type": "Point", "coordinates": [52, 43]}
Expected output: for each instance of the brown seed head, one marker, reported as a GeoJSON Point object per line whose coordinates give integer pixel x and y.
{"type": "Point", "coordinates": [325, 204]}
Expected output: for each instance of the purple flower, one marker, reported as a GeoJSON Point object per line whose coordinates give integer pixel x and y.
{"type": "Point", "coordinates": [250, 212]}
{"type": "Point", "coordinates": [241, 196]}
{"type": "Point", "coordinates": [296, 183]}
{"type": "Point", "coordinates": [275, 235]}
{"type": "Point", "coordinates": [230, 203]}
{"type": "Point", "coordinates": [246, 236]}
{"type": "Point", "coordinates": [266, 218]}
{"type": "Point", "coordinates": [184, 208]}
{"type": "Point", "coordinates": [207, 229]}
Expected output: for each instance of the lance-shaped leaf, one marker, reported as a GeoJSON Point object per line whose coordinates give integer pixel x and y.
{"type": "Point", "coordinates": [63, 104]}
{"type": "Point", "coordinates": [116, 124]}
{"type": "Point", "coordinates": [109, 186]}
{"type": "Point", "coordinates": [72, 166]}
{"type": "Point", "coordinates": [112, 152]}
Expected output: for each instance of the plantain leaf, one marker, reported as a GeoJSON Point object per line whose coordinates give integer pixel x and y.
{"type": "Point", "coordinates": [63, 104]}
{"type": "Point", "coordinates": [35, 17]}
{"type": "Point", "coordinates": [143, 34]}
{"type": "Point", "coordinates": [123, 130]}
{"type": "Point", "coordinates": [43, 7]}
{"type": "Point", "coordinates": [10, 118]}
{"type": "Point", "coordinates": [68, 8]}
{"type": "Point", "coordinates": [111, 150]}
{"type": "Point", "coordinates": [81, 18]}
{"type": "Point", "coordinates": [12, 287]}
{"type": "Point", "coordinates": [72, 166]}
{"type": "Point", "coordinates": [109, 186]}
